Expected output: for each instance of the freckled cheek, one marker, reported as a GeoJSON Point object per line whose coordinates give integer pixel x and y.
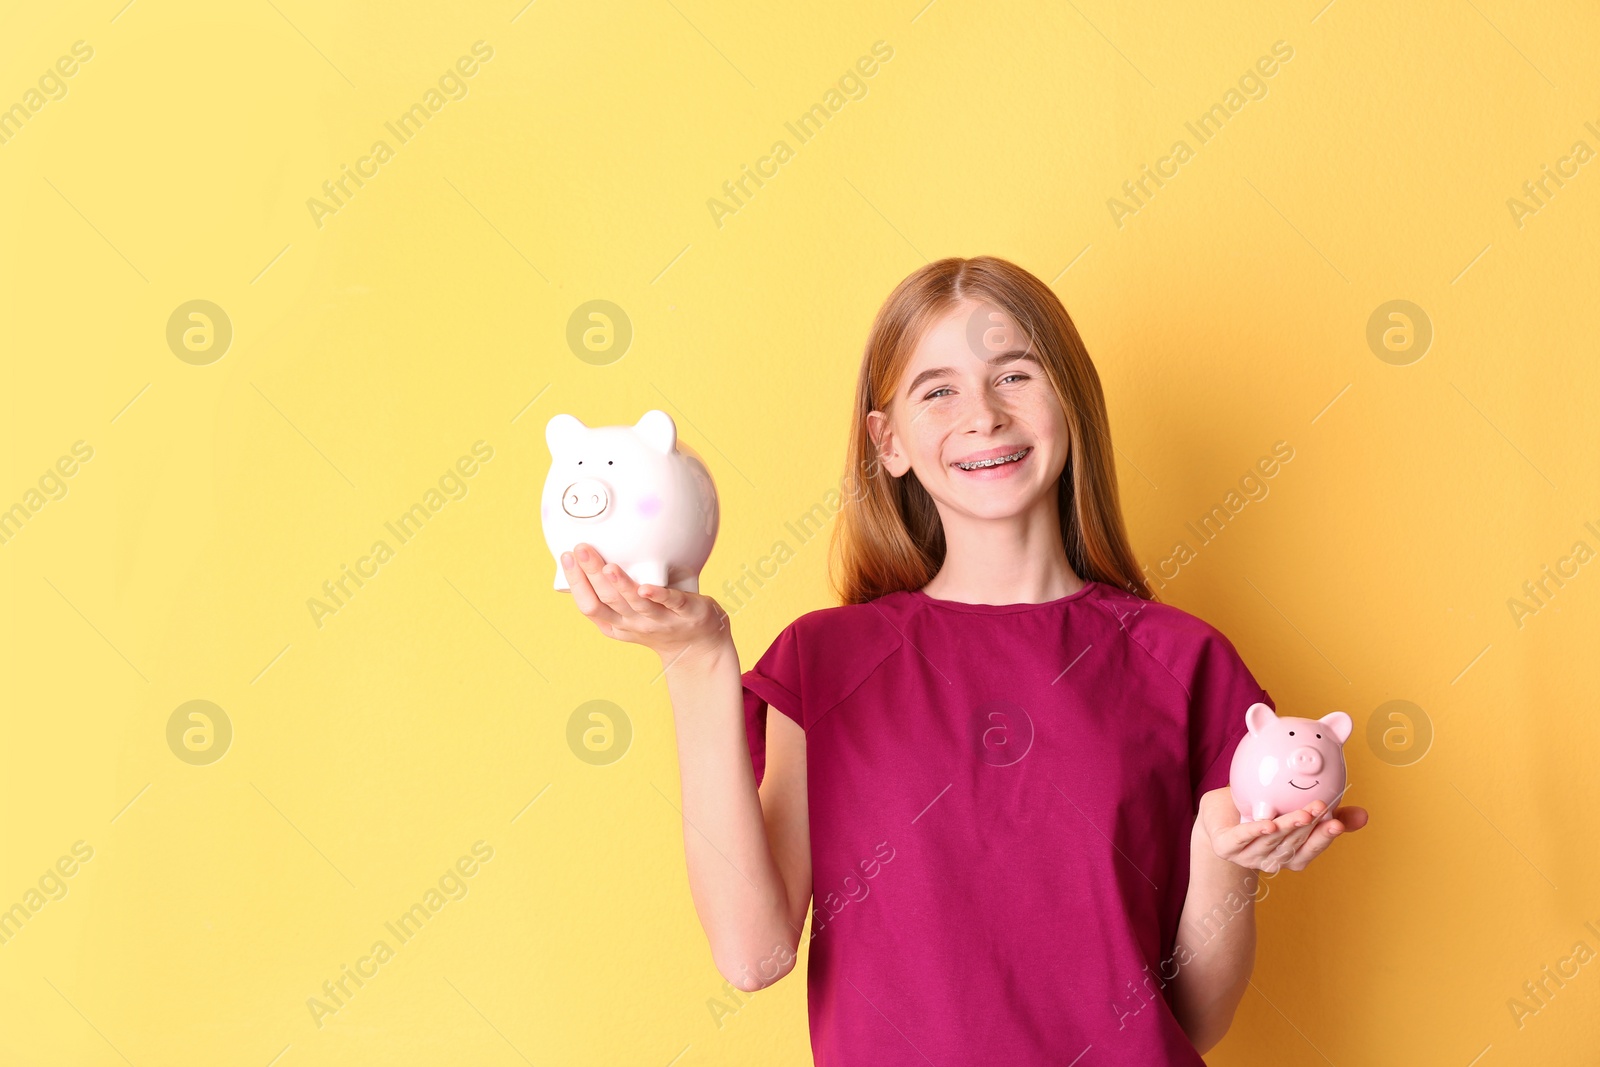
{"type": "Point", "coordinates": [929, 442]}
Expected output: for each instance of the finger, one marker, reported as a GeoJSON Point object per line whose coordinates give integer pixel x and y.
{"type": "Point", "coordinates": [1258, 853]}
{"type": "Point", "coordinates": [630, 592]}
{"type": "Point", "coordinates": [1316, 844]}
{"type": "Point", "coordinates": [1237, 838]}
{"type": "Point", "coordinates": [1289, 820]}
{"type": "Point", "coordinates": [1230, 838]}
{"type": "Point", "coordinates": [1288, 853]}
{"type": "Point", "coordinates": [1301, 825]}
{"type": "Point", "coordinates": [583, 593]}
{"type": "Point", "coordinates": [1351, 818]}
{"type": "Point", "coordinates": [593, 565]}
{"type": "Point", "coordinates": [1306, 823]}
{"type": "Point", "coordinates": [666, 598]}
{"type": "Point", "coordinates": [1277, 839]}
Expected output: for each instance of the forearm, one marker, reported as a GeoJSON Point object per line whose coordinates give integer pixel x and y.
{"type": "Point", "coordinates": [1216, 943]}
{"type": "Point", "coordinates": [736, 885]}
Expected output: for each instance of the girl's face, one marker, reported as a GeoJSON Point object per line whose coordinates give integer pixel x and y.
{"type": "Point", "coordinates": [974, 390]}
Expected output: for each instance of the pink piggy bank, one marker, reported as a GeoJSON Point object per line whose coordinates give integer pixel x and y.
{"type": "Point", "coordinates": [1285, 763]}
{"type": "Point", "coordinates": [641, 497]}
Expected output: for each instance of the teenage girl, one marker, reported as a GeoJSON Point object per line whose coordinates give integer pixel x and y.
{"type": "Point", "coordinates": [999, 775]}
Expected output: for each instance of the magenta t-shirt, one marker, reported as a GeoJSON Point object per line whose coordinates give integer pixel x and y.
{"type": "Point", "coordinates": [1001, 798]}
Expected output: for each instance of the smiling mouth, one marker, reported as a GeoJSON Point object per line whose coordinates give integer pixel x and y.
{"type": "Point", "coordinates": [996, 461]}
{"type": "Point", "coordinates": [1311, 786]}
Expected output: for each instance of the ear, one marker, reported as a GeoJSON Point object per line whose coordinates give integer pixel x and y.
{"type": "Point", "coordinates": [1340, 722]}
{"type": "Point", "coordinates": [1259, 717]}
{"type": "Point", "coordinates": [883, 439]}
{"type": "Point", "coordinates": [658, 430]}
{"type": "Point", "coordinates": [561, 431]}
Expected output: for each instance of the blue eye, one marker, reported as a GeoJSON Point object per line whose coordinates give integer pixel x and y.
{"type": "Point", "coordinates": [945, 388]}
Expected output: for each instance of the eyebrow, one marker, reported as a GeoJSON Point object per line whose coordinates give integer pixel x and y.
{"type": "Point", "coordinates": [998, 361]}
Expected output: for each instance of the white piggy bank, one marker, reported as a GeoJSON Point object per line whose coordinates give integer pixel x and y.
{"type": "Point", "coordinates": [640, 496]}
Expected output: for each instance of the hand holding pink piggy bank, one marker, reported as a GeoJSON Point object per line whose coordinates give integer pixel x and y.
{"type": "Point", "coordinates": [641, 497]}
{"type": "Point", "coordinates": [1285, 763]}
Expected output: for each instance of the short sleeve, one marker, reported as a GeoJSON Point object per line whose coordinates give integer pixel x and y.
{"type": "Point", "coordinates": [1221, 692]}
{"type": "Point", "coordinates": [774, 681]}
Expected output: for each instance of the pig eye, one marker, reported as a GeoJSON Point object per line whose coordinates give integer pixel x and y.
{"type": "Point", "coordinates": [1319, 735]}
{"type": "Point", "coordinates": [609, 462]}
{"type": "Point", "coordinates": [1291, 733]}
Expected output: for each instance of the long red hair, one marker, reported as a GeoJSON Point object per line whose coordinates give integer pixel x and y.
{"type": "Point", "coordinates": [888, 536]}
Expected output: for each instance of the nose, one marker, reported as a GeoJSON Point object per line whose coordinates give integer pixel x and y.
{"type": "Point", "coordinates": [986, 412]}
{"type": "Point", "coordinates": [585, 498]}
{"type": "Point", "coordinates": [1305, 761]}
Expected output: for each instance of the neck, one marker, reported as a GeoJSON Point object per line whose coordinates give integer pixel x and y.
{"type": "Point", "coordinates": [1016, 560]}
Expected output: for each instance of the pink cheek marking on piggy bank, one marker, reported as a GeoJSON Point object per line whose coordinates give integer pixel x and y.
{"type": "Point", "coordinates": [649, 507]}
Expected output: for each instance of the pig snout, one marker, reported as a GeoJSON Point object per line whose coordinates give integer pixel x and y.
{"type": "Point", "coordinates": [585, 498]}
{"type": "Point", "coordinates": [1305, 761]}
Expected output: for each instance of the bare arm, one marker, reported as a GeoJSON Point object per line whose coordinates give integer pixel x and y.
{"type": "Point", "coordinates": [748, 852]}
{"type": "Point", "coordinates": [1217, 931]}
{"type": "Point", "coordinates": [1216, 947]}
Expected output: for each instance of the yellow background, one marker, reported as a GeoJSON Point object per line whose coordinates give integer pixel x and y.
{"type": "Point", "coordinates": [369, 353]}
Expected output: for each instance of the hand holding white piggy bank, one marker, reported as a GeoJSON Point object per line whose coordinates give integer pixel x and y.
{"type": "Point", "coordinates": [641, 497]}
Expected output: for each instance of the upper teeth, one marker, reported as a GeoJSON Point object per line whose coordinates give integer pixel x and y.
{"type": "Point", "coordinates": [993, 462]}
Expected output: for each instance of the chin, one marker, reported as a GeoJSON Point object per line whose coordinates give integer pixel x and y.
{"type": "Point", "coordinates": [1004, 504]}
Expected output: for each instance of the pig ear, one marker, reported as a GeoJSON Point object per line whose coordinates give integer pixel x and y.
{"type": "Point", "coordinates": [561, 431]}
{"type": "Point", "coordinates": [1259, 717]}
{"type": "Point", "coordinates": [658, 430]}
{"type": "Point", "coordinates": [1341, 724]}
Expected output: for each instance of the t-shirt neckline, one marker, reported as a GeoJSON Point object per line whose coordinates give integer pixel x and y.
{"type": "Point", "coordinates": [1000, 609]}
